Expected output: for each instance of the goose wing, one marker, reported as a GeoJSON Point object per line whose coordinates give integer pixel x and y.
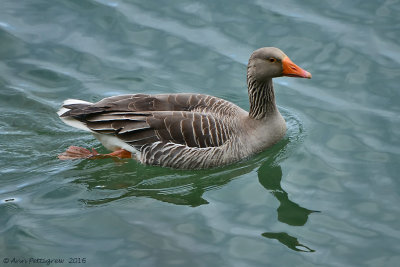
{"type": "Point", "coordinates": [188, 119]}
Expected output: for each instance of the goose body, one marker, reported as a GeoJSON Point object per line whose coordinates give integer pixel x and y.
{"type": "Point", "coordinates": [190, 131]}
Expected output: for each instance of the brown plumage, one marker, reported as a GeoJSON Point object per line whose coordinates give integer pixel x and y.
{"type": "Point", "coordinates": [190, 131]}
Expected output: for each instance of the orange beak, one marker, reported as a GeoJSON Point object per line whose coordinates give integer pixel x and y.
{"type": "Point", "coordinates": [292, 70]}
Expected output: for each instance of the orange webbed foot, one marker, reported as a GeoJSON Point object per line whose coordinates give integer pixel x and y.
{"type": "Point", "coordinates": [121, 153]}
{"type": "Point", "coordinates": [76, 152]}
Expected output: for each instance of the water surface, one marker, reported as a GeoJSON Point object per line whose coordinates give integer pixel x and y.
{"type": "Point", "coordinates": [326, 195]}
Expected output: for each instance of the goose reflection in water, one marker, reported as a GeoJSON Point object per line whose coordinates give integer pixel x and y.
{"type": "Point", "coordinates": [188, 187]}
{"type": "Point", "coordinates": [288, 212]}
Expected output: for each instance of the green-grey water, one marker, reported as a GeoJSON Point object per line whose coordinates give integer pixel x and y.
{"type": "Point", "coordinates": [326, 195]}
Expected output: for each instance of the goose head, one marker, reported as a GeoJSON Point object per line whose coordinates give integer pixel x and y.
{"type": "Point", "coordinates": [270, 62]}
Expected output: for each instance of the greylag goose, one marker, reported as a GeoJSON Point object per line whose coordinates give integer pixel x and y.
{"type": "Point", "coordinates": [187, 131]}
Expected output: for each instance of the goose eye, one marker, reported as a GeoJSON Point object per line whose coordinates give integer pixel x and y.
{"type": "Point", "coordinates": [272, 60]}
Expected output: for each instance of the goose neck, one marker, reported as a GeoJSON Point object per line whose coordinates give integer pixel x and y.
{"type": "Point", "coordinates": [262, 98]}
